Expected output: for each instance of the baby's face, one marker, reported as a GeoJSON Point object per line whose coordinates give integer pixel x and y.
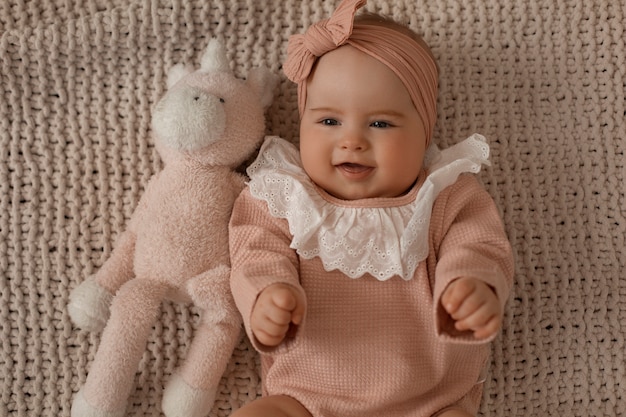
{"type": "Point", "coordinates": [360, 135]}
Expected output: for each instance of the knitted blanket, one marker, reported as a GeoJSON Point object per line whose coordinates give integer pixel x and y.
{"type": "Point", "coordinates": [543, 80]}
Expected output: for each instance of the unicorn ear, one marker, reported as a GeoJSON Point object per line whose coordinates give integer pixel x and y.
{"type": "Point", "coordinates": [263, 82]}
{"type": "Point", "coordinates": [214, 59]}
{"type": "Point", "coordinates": [176, 73]}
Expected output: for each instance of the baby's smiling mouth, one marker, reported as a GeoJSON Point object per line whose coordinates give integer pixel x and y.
{"type": "Point", "coordinates": [354, 170]}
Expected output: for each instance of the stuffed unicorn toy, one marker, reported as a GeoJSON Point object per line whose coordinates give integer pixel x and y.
{"type": "Point", "coordinates": [176, 243]}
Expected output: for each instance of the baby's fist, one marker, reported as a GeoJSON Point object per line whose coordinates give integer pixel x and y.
{"type": "Point", "coordinates": [473, 305]}
{"type": "Point", "coordinates": [278, 308]}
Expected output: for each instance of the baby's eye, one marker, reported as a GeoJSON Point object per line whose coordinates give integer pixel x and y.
{"type": "Point", "coordinates": [380, 124]}
{"type": "Point", "coordinates": [329, 122]}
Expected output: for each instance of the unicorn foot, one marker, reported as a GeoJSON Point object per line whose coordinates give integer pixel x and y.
{"type": "Point", "coordinates": [182, 400]}
{"type": "Point", "coordinates": [81, 408]}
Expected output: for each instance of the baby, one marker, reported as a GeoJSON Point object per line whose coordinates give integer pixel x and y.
{"type": "Point", "coordinates": [370, 268]}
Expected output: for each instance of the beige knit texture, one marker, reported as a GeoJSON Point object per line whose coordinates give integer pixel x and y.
{"type": "Point", "coordinates": [544, 81]}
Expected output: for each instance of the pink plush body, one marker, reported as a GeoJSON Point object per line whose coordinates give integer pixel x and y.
{"type": "Point", "coordinates": [185, 210]}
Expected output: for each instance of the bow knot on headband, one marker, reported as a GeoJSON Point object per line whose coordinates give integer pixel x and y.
{"type": "Point", "coordinates": [321, 37]}
{"type": "Point", "coordinates": [406, 57]}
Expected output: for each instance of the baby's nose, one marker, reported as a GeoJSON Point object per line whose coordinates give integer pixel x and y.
{"type": "Point", "coordinates": [353, 140]}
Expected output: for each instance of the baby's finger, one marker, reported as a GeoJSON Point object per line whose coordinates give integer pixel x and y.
{"type": "Point", "coordinates": [491, 328]}
{"type": "Point", "coordinates": [456, 293]}
{"type": "Point", "coordinates": [277, 316]}
{"type": "Point", "coordinates": [290, 300]}
{"type": "Point", "coordinates": [469, 307]}
{"type": "Point", "coordinates": [283, 298]}
{"type": "Point", "coordinates": [268, 338]}
{"type": "Point", "coordinates": [482, 317]}
{"type": "Point", "coordinates": [266, 329]}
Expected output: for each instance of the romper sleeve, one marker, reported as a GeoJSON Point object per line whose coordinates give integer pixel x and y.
{"type": "Point", "coordinates": [260, 256]}
{"type": "Point", "coordinates": [469, 240]}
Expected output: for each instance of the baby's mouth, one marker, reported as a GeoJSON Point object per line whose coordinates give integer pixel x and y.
{"type": "Point", "coordinates": [354, 170]}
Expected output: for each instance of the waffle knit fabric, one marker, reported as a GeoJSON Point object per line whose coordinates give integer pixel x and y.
{"type": "Point", "coordinates": [544, 81]}
{"type": "Point", "coordinates": [369, 347]}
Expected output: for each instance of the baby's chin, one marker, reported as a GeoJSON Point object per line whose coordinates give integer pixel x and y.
{"type": "Point", "coordinates": [367, 188]}
{"type": "Point", "coordinates": [352, 194]}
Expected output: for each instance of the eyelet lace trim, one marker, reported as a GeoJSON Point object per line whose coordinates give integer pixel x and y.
{"type": "Point", "coordinates": [350, 239]}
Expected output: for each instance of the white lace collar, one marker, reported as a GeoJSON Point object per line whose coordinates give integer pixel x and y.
{"type": "Point", "coordinates": [347, 235]}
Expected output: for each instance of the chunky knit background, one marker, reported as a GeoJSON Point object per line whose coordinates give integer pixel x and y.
{"type": "Point", "coordinates": [543, 80]}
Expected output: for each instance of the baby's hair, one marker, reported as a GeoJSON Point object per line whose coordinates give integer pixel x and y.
{"type": "Point", "coordinates": [372, 18]}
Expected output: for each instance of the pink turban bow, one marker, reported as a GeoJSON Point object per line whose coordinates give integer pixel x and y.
{"type": "Point", "coordinates": [406, 57]}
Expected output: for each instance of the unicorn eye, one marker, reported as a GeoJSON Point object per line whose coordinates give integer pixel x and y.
{"type": "Point", "coordinates": [222, 100]}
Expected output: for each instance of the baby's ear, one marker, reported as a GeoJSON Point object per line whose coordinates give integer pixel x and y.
{"type": "Point", "coordinates": [263, 82]}
{"type": "Point", "coordinates": [177, 73]}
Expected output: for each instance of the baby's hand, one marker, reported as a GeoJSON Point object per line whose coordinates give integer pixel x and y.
{"type": "Point", "coordinates": [278, 307]}
{"type": "Point", "coordinates": [474, 306]}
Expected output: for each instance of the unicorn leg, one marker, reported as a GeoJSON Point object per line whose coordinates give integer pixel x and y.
{"type": "Point", "coordinates": [111, 377]}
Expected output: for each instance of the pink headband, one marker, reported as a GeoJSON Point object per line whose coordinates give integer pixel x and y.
{"type": "Point", "coordinates": [409, 60]}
